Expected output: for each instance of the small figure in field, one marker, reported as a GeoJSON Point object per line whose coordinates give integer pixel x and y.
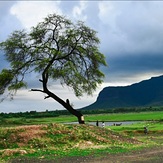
{"type": "Point", "coordinates": [103, 124]}
{"type": "Point", "coordinates": [118, 124]}
{"type": "Point", "coordinates": [97, 123]}
{"type": "Point", "coordinates": [145, 130]}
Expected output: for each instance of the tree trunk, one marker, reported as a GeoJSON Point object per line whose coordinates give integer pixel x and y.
{"type": "Point", "coordinates": [81, 120]}
{"type": "Point", "coordinates": [77, 113]}
{"type": "Point", "coordinates": [66, 105]}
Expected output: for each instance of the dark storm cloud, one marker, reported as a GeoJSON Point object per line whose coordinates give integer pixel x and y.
{"type": "Point", "coordinates": [131, 36]}
{"type": "Point", "coordinates": [125, 68]}
{"type": "Point", "coordinates": [132, 27]}
{"type": "Point", "coordinates": [136, 63]}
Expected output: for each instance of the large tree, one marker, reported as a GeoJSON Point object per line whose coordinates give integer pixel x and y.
{"type": "Point", "coordinates": [56, 49]}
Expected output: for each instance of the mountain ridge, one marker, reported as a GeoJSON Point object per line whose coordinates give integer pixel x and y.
{"type": "Point", "coordinates": [144, 93]}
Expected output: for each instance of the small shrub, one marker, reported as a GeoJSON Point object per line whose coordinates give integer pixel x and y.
{"type": "Point", "coordinates": [37, 143]}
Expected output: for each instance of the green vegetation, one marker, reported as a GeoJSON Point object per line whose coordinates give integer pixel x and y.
{"type": "Point", "coordinates": [60, 140]}
{"type": "Point", "coordinates": [46, 138]}
{"type": "Point", "coordinates": [154, 136]}
{"type": "Point", "coordinates": [56, 49]}
{"type": "Point", "coordinates": [142, 116]}
{"type": "Point", "coordinates": [135, 128]}
{"type": "Point", "coordinates": [57, 113]}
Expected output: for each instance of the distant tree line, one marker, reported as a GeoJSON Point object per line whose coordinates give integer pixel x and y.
{"type": "Point", "coordinates": [35, 114]}
{"type": "Point", "coordinates": [123, 110]}
{"type": "Point", "coordinates": [56, 113]}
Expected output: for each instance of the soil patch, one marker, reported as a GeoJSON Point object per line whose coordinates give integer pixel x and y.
{"type": "Point", "coordinates": [146, 155]}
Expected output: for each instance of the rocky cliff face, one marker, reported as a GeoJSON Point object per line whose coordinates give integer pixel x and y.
{"type": "Point", "coordinates": [146, 93]}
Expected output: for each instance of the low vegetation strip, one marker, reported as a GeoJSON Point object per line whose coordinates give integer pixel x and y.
{"type": "Point", "coordinates": [59, 140]}
{"type": "Point", "coordinates": [110, 114]}
{"type": "Point", "coordinates": [142, 116]}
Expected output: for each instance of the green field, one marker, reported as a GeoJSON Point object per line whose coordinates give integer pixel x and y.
{"type": "Point", "coordinates": [142, 116]}
{"type": "Point", "coordinates": [48, 138]}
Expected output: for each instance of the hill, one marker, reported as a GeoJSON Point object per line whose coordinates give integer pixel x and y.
{"type": "Point", "coordinates": [145, 93]}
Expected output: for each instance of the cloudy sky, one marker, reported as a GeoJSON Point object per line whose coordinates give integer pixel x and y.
{"type": "Point", "coordinates": [131, 35]}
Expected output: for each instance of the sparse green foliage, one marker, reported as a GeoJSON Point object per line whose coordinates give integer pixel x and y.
{"type": "Point", "coordinates": [5, 79]}
{"type": "Point", "coordinates": [57, 49]}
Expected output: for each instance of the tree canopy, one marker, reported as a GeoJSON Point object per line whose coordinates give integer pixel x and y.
{"type": "Point", "coordinates": [57, 49]}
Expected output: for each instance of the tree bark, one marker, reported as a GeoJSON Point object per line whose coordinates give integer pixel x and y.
{"type": "Point", "coordinates": [66, 105]}
{"type": "Point", "coordinates": [75, 112]}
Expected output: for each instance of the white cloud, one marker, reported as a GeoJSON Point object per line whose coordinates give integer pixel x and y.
{"type": "Point", "coordinates": [26, 100]}
{"type": "Point", "coordinates": [32, 12]}
{"type": "Point", "coordinates": [78, 11]}
{"type": "Point", "coordinates": [106, 12]}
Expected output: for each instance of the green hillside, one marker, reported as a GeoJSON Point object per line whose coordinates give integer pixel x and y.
{"type": "Point", "coordinates": [146, 93]}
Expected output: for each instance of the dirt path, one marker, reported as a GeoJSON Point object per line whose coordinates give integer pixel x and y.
{"type": "Point", "coordinates": [148, 155]}
{"type": "Point", "coordinates": [154, 155]}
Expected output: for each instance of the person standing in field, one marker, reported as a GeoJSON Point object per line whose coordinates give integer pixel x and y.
{"type": "Point", "coordinates": [97, 123]}
{"type": "Point", "coordinates": [103, 124]}
{"type": "Point", "coordinates": [145, 130]}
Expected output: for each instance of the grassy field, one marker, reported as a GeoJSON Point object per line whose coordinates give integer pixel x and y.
{"type": "Point", "coordinates": [152, 127]}
{"type": "Point", "coordinates": [142, 116]}
{"type": "Point", "coordinates": [47, 138]}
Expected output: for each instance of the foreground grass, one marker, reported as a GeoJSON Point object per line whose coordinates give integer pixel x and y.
{"type": "Point", "coordinates": [58, 140]}
{"type": "Point", "coordinates": [54, 141]}
{"type": "Point", "coordinates": [46, 138]}
{"type": "Point", "coordinates": [155, 131]}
